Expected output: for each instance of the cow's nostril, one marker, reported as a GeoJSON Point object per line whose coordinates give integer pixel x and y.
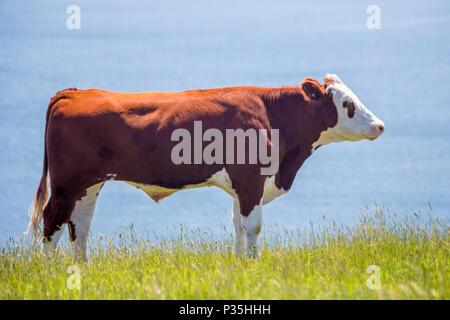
{"type": "Point", "coordinates": [381, 128]}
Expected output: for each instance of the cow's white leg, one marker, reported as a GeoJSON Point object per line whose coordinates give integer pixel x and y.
{"type": "Point", "coordinates": [49, 247]}
{"type": "Point", "coordinates": [252, 226]}
{"type": "Point", "coordinates": [81, 219]}
{"type": "Point", "coordinates": [239, 228]}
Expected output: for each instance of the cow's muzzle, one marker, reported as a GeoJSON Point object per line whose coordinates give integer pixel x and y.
{"type": "Point", "coordinates": [376, 129]}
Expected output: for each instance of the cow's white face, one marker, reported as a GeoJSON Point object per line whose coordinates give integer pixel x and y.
{"type": "Point", "coordinates": [355, 121]}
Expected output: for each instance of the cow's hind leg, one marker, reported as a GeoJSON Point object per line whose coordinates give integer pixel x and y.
{"type": "Point", "coordinates": [49, 246]}
{"type": "Point", "coordinates": [81, 218]}
{"type": "Point", "coordinates": [55, 216]}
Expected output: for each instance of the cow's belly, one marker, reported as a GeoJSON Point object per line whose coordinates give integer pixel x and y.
{"type": "Point", "coordinates": [219, 179]}
{"type": "Point", "coordinates": [153, 191]}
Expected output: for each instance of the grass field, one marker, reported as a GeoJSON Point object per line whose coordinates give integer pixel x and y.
{"type": "Point", "coordinates": [410, 256]}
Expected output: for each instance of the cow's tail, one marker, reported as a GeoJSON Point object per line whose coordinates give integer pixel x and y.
{"type": "Point", "coordinates": [37, 206]}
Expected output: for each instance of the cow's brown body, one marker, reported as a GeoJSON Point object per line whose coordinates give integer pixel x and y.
{"type": "Point", "coordinates": [92, 134]}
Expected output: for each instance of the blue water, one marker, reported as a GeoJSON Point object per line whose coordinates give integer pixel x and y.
{"type": "Point", "coordinates": [400, 72]}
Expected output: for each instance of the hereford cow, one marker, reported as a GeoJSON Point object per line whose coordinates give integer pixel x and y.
{"type": "Point", "coordinates": [92, 136]}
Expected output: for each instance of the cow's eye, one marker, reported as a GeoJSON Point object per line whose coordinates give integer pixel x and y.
{"type": "Point", "coordinates": [350, 108]}
{"type": "Point", "coordinates": [315, 96]}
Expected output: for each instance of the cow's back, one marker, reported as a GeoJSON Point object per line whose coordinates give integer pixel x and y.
{"type": "Point", "coordinates": [127, 136]}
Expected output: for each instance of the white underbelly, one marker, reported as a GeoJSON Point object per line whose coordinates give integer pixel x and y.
{"type": "Point", "coordinates": [271, 191]}
{"type": "Point", "coordinates": [220, 179]}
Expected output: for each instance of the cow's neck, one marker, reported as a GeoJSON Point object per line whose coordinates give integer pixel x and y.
{"type": "Point", "coordinates": [286, 109]}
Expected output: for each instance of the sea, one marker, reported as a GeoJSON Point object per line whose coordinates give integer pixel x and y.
{"type": "Point", "coordinates": [393, 54]}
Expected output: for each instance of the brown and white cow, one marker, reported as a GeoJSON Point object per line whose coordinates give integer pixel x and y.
{"type": "Point", "coordinates": [93, 136]}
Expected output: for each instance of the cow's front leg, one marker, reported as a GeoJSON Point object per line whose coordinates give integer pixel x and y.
{"type": "Point", "coordinates": [247, 223]}
{"type": "Point", "coordinates": [248, 186]}
{"type": "Point", "coordinates": [247, 229]}
{"type": "Point", "coordinates": [252, 226]}
{"type": "Point", "coordinates": [241, 236]}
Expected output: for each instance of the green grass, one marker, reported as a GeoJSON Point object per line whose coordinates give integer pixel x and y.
{"type": "Point", "coordinates": [328, 263]}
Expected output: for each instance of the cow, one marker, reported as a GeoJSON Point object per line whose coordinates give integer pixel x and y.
{"type": "Point", "coordinates": [93, 136]}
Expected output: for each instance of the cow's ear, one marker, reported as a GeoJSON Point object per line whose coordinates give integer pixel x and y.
{"type": "Point", "coordinates": [328, 82]}
{"type": "Point", "coordinates": [331, 79]}
{"type": "Point", "coordinates": [312, 89]}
